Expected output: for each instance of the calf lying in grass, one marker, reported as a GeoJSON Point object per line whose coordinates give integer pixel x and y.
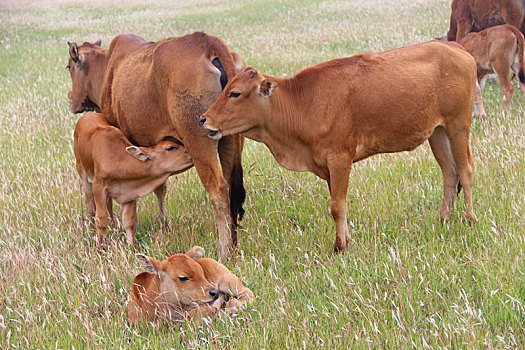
{"type": "Point", "coordinates": [110, 167]}
{"type": "Point", "coordinates": [497, 50]}
{"type": "Point", "coordinates": [181, 288]}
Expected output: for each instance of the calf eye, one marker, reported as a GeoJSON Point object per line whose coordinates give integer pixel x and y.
{"type": "Point", "coordinates": [68, 67]}
{"type": "Point", "coordinates": [183, 279]}
{"type": "Point", "coordinates": [171, 148]}
{"type": "Point", "coordinates": [234, 94]}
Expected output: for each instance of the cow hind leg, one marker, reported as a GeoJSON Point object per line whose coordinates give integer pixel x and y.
{"type": "Point", "coordinates": [338, 184]}
{"type": "Point", "coordinates": [129, 219]}
{"type": "Point", "coordinates": [459, 144]}
{"type": "Point", "coordinates": [440, 145]}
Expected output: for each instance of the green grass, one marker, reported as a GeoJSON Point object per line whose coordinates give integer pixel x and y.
{"type": "Point", "coordinates": [406, 282]}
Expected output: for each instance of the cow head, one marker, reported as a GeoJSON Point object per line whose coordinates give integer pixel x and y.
{"type": "Point", "coordinates": [167, 156]}
{"type": "Point", "coordinates": [84, 86]}
{"type": "Point", "coordinates": [182, 281]}
{"type": "Point", "coordinates": [242, 105]}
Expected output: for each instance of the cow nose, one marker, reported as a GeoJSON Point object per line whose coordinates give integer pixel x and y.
{"type": "Point", "coordinates": [214, 293]}
{"type": "Point", "coordinates": [202, 120]}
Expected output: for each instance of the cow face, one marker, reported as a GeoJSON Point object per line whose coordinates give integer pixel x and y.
{"type": "Point", "coordinates": [78, 66]}
{"type": "Point", "coordinates": [182, 281]}
{"type": "Point", "coordinates": [242, 105]}
{"type": "Point", "coordinates": [167, 156]}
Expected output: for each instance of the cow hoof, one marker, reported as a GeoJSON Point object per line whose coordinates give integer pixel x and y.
{"type": "Point", "coordinates": [339, 249]}
{"type": "Point", "coordinates": [471, 219]}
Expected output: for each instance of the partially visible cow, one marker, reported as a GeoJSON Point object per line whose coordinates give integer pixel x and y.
{"type": "Point", "coordinates": [179, 289]}
{"type": "Point", "coordinates": [497, 50]}
{"type": "Point", "coordinates": [339, 112]}
{"type": "Point", "coordinates": [110, 167]}
{"type": "Point", "coordinates": [154, 91]}
{"type": "Point", "coordinates": [475, 15]}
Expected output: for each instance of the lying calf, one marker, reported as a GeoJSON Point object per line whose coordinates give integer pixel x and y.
{"type": "Point", "coordinates": [181, 288]}
{"type": "Point", "coordinates": [110, 167]}
{"type": "Point", "coordinates": [497, 50]}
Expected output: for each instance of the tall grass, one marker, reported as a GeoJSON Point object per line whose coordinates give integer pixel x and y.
{"type": "Point", "coordinates": [407, 281]}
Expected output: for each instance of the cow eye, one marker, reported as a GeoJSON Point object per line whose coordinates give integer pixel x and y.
{"type": "Point", "coordinates": [234, 94]}
{"type": "Point", "coordinates": [183, 279]}
{"type": "Point", "coordinates": [171, 148]}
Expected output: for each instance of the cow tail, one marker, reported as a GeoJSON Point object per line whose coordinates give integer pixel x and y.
{"type": "Point", "coordinates": [237, 191]}
{"type": "Point", "coordinates": [521, 53]}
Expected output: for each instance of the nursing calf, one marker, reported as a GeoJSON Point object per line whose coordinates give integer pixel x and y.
{"type": "Point", "coordinates": [336, 113]}
{"type": "Point", "coordinates": [181, 288]}
{"type": "Point", "coordinates": [110, 167]}
{"type": "Point", "coordinates": [497, 50]}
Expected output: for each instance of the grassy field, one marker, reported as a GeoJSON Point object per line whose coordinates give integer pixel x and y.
{"type": "Point", "coordinates": [407, 281]}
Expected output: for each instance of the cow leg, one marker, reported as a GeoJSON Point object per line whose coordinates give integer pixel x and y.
{"type": "Point", "coordinates": [160, 192]}
{"type": "Point", "coordinates": [129, 219]}
{"type": "Point", "coordinates": [479, 110]}
{"type": "Point", "coordinates": [459, 144]}
{"type": "Point", "coordinates": [440, 145]}
{"type": "Point", "coordinates": [463, 28]}
{"type": "Point", "coordinates": [338, 185]}
{"type": "Point", "coordinates": [103, 214]}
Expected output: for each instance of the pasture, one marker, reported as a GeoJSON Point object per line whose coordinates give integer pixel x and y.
{"type": "Point", "coordinates": [407, 281]}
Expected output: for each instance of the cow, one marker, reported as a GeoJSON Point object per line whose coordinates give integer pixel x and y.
{"type": "Point", "coordinates": [157, 90]}
{"type": "Point", "coordinates": [184, 287]}
{"type": "Point", "coordinates": [475, 15]}
{"type": "Point", "coordinates": [110, 167]}
{"type": "Point", "coordinates": [339, 112]}
{"type": "Point", "coordinates": [497, 50]}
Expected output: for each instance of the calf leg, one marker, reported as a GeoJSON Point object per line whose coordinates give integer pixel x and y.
{"type": "Point", "coordinates": [502, 69]}
{"type": "Point", "coordinates": [479, 111]}
{"type": "Point", "coordinates": [103, 215]}
{"type": "Point", "coordinates": [440, 145]}
{"type": "Point", "coordinates": [88, 195]}
{"type": "Point", "coordinates": [160, 192]}
{"type": "Point", "coordinates": [129, 219]}
{"type": "Point", "coordinates": [464, 27]}
{"type": "Point", "coordinates": [338, 184]}
{"type": "Point", "coordinates": [459, 144]}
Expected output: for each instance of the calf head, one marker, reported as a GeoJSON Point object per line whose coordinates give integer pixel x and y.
{"type": "Point", "coordinates": [181, 281]}
{"type": "Point", "coordinates": [80, 61]}
{"type": "Point", "coordinates": [167, 156]}
{"type": "Point", "coordinates": [242, 105]}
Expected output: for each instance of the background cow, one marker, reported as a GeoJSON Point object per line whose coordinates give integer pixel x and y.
{"type": "Point", "coordinates": [110, 167]}
{"type": "Point", "coordinates": [339, 112]}
{"type": "Point", "coordinates": [474, 15]}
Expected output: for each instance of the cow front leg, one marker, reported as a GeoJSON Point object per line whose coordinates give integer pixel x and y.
{"type": "Point", "coordinates": [338, 184]}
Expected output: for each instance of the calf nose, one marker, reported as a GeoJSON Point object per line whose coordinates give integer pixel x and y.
{"type": "Point", "coordinates": [214, 293]}
{"type": "Point", "coordinates": [202, 120]}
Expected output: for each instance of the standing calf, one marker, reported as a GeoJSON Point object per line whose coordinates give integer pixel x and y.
{"type": "Point", "coordinates": [110, 167]}
{"type": "Point", "coordinates": [336, 113]}
{"type": "Point", "coordinates": [497, 50]}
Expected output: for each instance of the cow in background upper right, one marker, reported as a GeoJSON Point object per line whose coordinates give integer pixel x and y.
{"type": "Point", "coordinates": [475, 15]}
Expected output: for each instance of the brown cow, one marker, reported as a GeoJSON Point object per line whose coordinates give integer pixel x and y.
{"type": "Point", "coordinates": [497, 50]}
{"type": "Point", "coordinates": [180, 288]}
{"type": "Point", "coordinates": [339, 112]}
{"type": "Point", "coordinates": [154, 91]}
{"type": "Point", "coordinates": [474, 15]}
{"type": "Point", "coordinates": [110, 167]}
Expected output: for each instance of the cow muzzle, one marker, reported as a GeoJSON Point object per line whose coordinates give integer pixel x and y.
{"type": "Point", "coordinates": [214, 134]}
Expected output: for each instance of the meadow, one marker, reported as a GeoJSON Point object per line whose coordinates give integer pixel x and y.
{"type": "Point", "coordinates": [407, 280]}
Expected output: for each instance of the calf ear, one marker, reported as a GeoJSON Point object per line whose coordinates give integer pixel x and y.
{"type": "Point", "coordinates": [267, 87]}
{"type": "Point", "coordinates": [137, 153]}
{"type": "Point", "coordinates": [73, 52]}
{"type": "Point", "coordinates": [195, 252]}
{"type": "Point", "coordinates": [149, 264]}
{"type": "Point", "coordinates": [98, 42]}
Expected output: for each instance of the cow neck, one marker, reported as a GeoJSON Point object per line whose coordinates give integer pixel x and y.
{"type": "Point", "coordinates": [100, 61]}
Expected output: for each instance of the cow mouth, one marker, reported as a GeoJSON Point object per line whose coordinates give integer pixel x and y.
{"type": "Point", "coordinates": [214, 134]}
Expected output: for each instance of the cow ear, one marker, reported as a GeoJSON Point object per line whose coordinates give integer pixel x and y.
{"type": "Point", "coordinates": [73, 52]}
{"type": "Point", "coordinates": [195, 252]}
{"type": "Point", "coordinates": [138, 153]}
{"type": "Point", "coordinates": [98, 42]}
{"type": "Point", "coordinates": [267, 87]}
{"type": "Point", "coordinates": [149, 264]}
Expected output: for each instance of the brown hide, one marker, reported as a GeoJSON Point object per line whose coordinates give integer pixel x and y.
{"type": "Point", "coordinates": [474, 15]}
{"type": "Point", "coordinates": [158, 90]}
{"type": "Point", "coordinates": [497, 50]}
{"type": "Point", "coordinates": [339, 112]}
{"type": "Point", "coordinates": [108, 170]}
